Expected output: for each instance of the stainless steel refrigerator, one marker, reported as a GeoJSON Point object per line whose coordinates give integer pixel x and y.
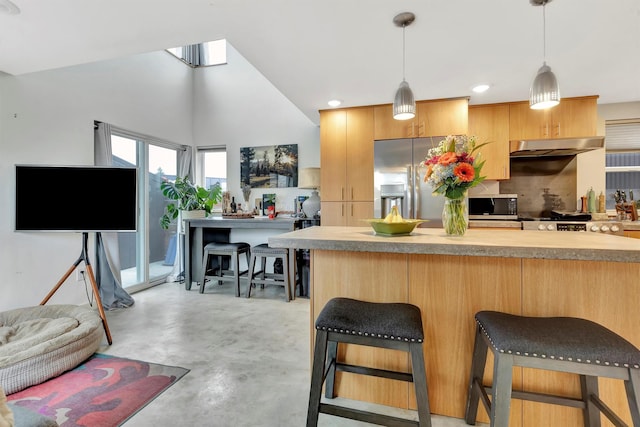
{"type": "Point", "coordinates": [399, 180]}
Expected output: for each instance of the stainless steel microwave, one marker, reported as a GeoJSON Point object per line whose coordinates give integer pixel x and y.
{"type": "Point", "coordinates": [493, 206]}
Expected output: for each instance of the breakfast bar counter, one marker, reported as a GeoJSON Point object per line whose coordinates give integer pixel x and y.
{"type": "Point", "coordinates": [587, 275]}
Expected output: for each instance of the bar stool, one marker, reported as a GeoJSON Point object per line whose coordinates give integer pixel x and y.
{"type": "Point", "coordinates": [232, 250]}
{"type": "Point", "coordinates": [396, 326]}
{"type": "Point", "coordinates": [564, 344]}
{"type": "Point", "coordinates": [261, 277]}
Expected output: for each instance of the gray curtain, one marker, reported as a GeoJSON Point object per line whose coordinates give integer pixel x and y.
{"type": "Point", "coordinates": [184, 168]}
{"type": "Point", "coordinates": [107, 265]}
{"type": "Point", "coordinates": [195, 54]}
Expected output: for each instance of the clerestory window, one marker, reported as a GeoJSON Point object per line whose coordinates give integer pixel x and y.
{"type": "Point", "coordinates": [202, 54]}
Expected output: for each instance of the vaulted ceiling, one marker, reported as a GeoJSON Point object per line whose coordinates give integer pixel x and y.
{"type": "Point", "coordinates": [316, 50]}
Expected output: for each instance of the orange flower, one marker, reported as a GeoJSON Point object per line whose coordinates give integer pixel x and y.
{"type": "Point", "coordinates": [429, 172]}
{"type": "Point", "coordinates": [448, 158]}
{"type": "Point", "coordinates": [464, 172]}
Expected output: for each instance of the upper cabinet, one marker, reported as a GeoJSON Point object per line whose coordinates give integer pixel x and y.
{"type": "Point", "coordinates": [433, 118]}
{"type": "Point", "coordinates": [490, 123]}
{"type": "Point", "coordinates": [573, 117]}
{"type": "Point", "coordinates": [346, 165]}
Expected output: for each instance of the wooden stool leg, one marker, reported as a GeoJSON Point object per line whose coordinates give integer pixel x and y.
{"type": "Point", "coordinates": [220, 264]}
{"type": "Point", "coordinates": [252, 265]}
{"type": "Point", "coordinates": [478, 362]}
{"type": "Point", "coordinates": [332, 359]}
{"type": "Point", "coordinates": [317, 373]}
{"type": "Point", "coordinates": [501, 390]}
{"type": "Point", "coordinates": [236, 268]}
{"type": "Point", "coordinates": [285, 275]}
{"type": "Point", "coordinates": [420, 383]}
{"type": "Point", "coordinates": [589, 387]}
{"type": "Point", "coordinates": [632, 386]}
{"type": "Point", "coordinates": [205, 264]}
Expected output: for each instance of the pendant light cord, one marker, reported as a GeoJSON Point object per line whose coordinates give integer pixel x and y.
{"type": "Point", "coordinates": [544, 33]}
{"type": "Point", "coordinates": [403, 50]}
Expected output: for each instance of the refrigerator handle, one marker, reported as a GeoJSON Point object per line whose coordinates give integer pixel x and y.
{"type": "Point", "coordinates": [416, 193]}
{"type": "Point", "coordinates": [409, 194]}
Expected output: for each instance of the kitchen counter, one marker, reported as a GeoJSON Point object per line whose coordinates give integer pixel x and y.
{"type": "Point", "coordinates": [476, 242]}
{"type": "Point", "coordinates": [587, 275]}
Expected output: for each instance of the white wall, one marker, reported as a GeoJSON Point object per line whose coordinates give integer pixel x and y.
{"type": "Point", "coordinates": [47, 118]}
{"type": "Point", "coordinates": [236, 106]}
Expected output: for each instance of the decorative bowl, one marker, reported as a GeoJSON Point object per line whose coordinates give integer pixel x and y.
{"type": "Point", "coordinates": [403, 228]}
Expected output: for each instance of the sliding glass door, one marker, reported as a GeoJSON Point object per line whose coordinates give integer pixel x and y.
{"type": "Point", "coordinates": [146, 256]}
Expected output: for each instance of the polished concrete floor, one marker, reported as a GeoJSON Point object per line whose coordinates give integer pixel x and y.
{"type": "Point", "coordinates": [249, 358]}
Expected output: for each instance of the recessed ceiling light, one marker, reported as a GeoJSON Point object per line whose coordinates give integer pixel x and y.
{"type": "Point", "coordinates": [334, 103]}
{"type": "Point", "coordinates": [8, 8]}
{"type": "Point", "coordinates": [480, 88]}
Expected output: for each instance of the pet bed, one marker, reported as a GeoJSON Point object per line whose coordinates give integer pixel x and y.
{"type": "Point", "coordinates": [41, 342]}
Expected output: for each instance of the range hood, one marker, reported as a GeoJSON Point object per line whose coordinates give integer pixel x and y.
{"type": "Point", "coordinates": [554, 147]}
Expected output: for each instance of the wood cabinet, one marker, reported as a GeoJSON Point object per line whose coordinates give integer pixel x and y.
{"type": "Point", "coordinates": [346, 213]}
{"type": "Point", "coordinates": [490, 123]}
{"type": "Point", "coordinates": [635, 234]}
{"type": "Point", "coordinates": [346, 165]}
{"type": "Point", "coordinates": [573, 117]}
{"type": "Point", "coordinates": [433, 118]}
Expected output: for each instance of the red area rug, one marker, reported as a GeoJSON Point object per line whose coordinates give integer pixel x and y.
{"type": "Point", "coordinates": [104, 391]}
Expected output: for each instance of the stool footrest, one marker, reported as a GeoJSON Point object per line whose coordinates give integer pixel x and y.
{"type": "Point", "coordinates": [382, 373]}
{"type": "Point", "coordinates": [544, 398]}
{"type": "Point", "coordinates": [365, 416]}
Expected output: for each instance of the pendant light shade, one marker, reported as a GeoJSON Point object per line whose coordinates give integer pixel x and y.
{"type": "Point", "coordinates": [404, 104]}
{"type": "Point", "coordinates": [544, 91]}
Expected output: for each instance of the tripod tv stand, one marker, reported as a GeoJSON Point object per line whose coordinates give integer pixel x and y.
{"type": "Point", "coordinates": [84, 257]}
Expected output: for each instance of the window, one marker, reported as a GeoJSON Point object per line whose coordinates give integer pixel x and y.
{"type": "Point", "coordinates": [148, 255]}
{"type": "Point", "coordinates": [202, 54]}
{"type": "Point", "coordinates": [212, 167]}
{"type": "Point", "coordinates": [622, 159]}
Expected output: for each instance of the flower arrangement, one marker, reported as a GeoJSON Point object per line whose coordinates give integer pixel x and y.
{"type": "Point", "coordinates": [451, 166]}
{"type": "Point", "coordinates": [451, 170]}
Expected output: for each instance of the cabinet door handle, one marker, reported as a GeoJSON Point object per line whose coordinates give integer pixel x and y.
{"type": "Point", "coordinates": [558, 130]}
{"type": "Point", "coordinates": [341, 193]}
{"type": "Point", "coordinates": [342, 210]}
{"type": "Point", "coordinates": [351, 193]}
{"type": "Point", "coordinates": [421, 129]}
{"type": "Point", "coordinates": [352, 210]}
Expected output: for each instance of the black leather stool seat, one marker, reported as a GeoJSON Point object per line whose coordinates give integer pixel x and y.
{"type": "Point", "coordinates": [226, 247]}
{"type": "Point", "coordinates": [264, 248]}
{"type": "Point", "coordinates": [561, 338]}
{"type": "Point", "coordinates": [565, 344]}
{"type": "Point", "coordinates": [232, 250]}
{"type": "Point", "coordinates": [396, 326]}
{"type": "Point", "coordinates": [393, 321]}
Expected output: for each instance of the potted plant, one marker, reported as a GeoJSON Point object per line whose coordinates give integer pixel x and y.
{"type": "Point", "coordinates": [187, 196]}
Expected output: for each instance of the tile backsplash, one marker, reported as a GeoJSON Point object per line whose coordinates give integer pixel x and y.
{"type": "Point", "coordinates": [543, 184]}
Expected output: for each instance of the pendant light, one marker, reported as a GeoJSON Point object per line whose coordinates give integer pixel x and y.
{"type": "Point", "coordinates": [544, 92]}
{"type": "Point", "coordinates": [404, 105]}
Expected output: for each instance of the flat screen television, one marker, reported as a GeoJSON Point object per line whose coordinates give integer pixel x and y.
{"type": "Point", "coordinates": [76, 198]}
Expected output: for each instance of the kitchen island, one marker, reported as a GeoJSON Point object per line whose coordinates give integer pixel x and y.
{"type": "Point", "coordinates": [584, 275]}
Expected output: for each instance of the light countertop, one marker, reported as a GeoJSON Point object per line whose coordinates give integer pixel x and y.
{"type": "Point", "coordinates": [476, 242]}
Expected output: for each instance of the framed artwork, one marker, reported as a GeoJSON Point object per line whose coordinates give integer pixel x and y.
{"type": "Point", "coordinates": [272, 166]}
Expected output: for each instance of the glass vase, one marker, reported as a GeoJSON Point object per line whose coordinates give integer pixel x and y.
{"type": "Point", "coordinates": [455, 217]}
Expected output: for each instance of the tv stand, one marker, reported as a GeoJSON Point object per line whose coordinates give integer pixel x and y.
{"type": "Point", "coordinates": [84, 257]}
